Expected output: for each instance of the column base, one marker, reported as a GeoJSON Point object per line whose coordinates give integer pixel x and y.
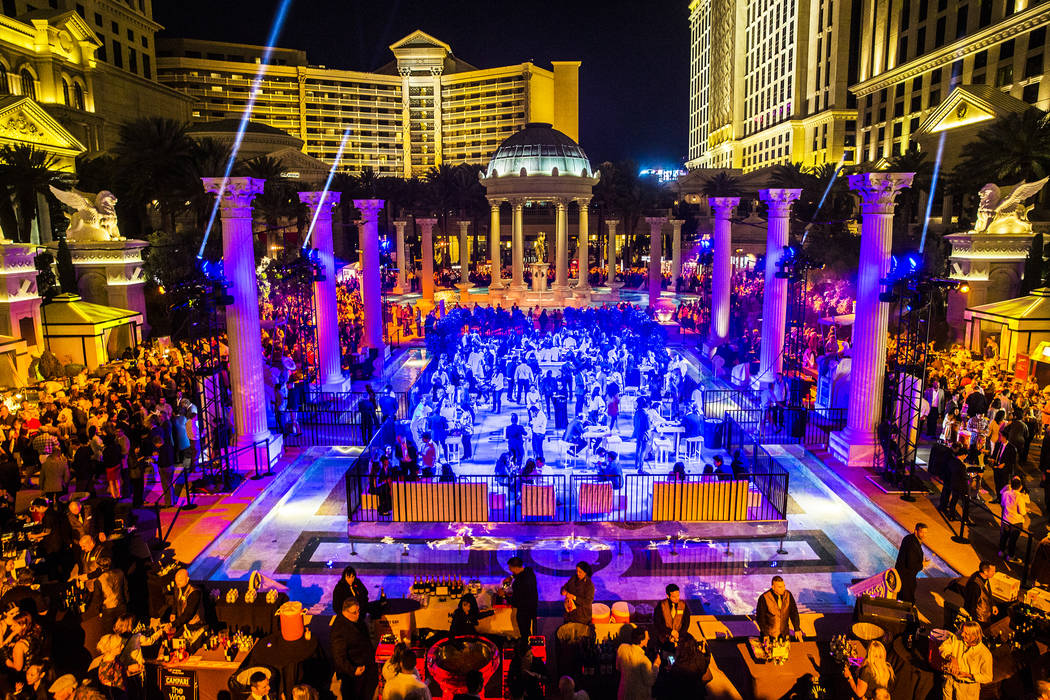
{"type": "Point", "coordinates": [516, 291]}
{"type": "Point", "coordinates": [397, 290]}
{"type": "Point", "coordinates": [854, 448]}
{"type": "Point", "coordinates": [263, 450]}
{"type": "Point", "coordinates": [759, 384]}
{"type": "Point", "coordinates": [464, 291]}
{"type": "Point", "coordinates": [582, 294]}
{"type": "Point", "coordinates": [335, 386]}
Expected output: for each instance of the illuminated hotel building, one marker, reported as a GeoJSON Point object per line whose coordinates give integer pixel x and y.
{"type": "Point", "coordinates": [769, 82]}
{"type": "Point", "coordinates": [107, 78]}
{"type": "Point", "coordinates": [928, 66]}
{"type": "Point", "coordinates": [424, 108]}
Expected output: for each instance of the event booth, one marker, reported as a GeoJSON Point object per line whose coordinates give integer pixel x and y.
{"type": "Point", "coordinates": [1021, 324]}
{"type": "Point", "coordinates": [89, 334]}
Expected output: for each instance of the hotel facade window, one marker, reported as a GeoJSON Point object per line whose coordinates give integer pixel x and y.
{"type": "Point", "coordinates": [424, 108]}
{"type": "Point", "coordinates": [768, 82]}
{"type": "Point", "coordinates": [983, 49]}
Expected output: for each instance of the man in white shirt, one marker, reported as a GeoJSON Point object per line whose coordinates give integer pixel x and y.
{"type": "Point", "coordinates": [1015, 508]}
{"type": "Point", "coordinates": [499, 382]}
{"type": "Point", "coordinates": [523, 377]}
{"type": "Point", "coordinates": [405, 685]}
{"type": "Point", "coordinates": [637, 673]}
{"type": "Point", "coordinates": [538, 422]}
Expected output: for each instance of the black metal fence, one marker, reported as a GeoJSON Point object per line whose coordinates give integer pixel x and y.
{"type": "Point", "coordinates": [329, 418]}
{"type": "Point", "coordinates": [718, 401]}
{"type": "Point", "coordinates": [811, 427]}
{"type": "Point", "coordinates": [757, 495]}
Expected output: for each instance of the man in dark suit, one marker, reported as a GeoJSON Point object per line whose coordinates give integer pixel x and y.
{"type": "Point", "coordinates": [910, 561]}
{"type": "Point", "coordinates": [977, 596]}
{"type": "Point", "coordinates": [350, 586]}
{"type": "Point", "coordinates": [187, 604]}
{"type": "Point", "coordinates": [353, 655]}
{"type": "Point", "coordinates": [524, 597]}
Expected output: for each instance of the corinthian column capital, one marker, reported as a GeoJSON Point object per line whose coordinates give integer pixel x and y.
{"type": "Point", "coordinates": [235, 194]}
{"type": "Point", "coordinates": [878, 191]}
{"type": "Point", "coordinates": [315, 200]}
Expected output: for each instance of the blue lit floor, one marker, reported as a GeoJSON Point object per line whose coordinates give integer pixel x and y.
{"type": "Point", "coordinates": [297, 533]}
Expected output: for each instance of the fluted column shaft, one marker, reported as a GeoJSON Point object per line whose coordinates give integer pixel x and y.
{"type": "Point", "coordinates": [329, 355]}
{"type": "Point", "coordinates": [402, 263]}
{"type": "Point", "coordinates": [878, 191]}
{"type": "Point", "coordinates": [242, 316]}
{"type": "Point", "coordinates": [584, 246]}
{"type": "Point", "coordinates": [494, 247]}
{"type": "Point", "coordinates": [371, 280]}
{"type": "Point", "coordinates": [722, 272]}
{"type": "Point", "coordinates": [656, 244]}
{"type": "Point", "coordinates": [610, 272]}
{"type": "Point", "coordinates": [561, 234]}
{"type": "Point", "coordinates": [464, 255]}
{"type": "Point", "coordinates": [518, 246]}
{"type": "Point", "coordinates": [426, 274]}
{"type": "Point", "coordinates": [676, 251]}
{"type": "Point", "coordinates": [775, 293]}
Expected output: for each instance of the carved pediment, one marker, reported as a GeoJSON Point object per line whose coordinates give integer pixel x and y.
{"type": "Point", "coordinates": [970, 104]}
{"type": "Point", "coordinates": [24, 121]}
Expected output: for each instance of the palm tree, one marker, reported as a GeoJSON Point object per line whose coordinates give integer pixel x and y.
{"type": "Point", "coordinates": [207, 158]}
{"type": "Point", "coordinates": [910, 199]}
{"type": "Point", "coordinates": [155, 155]}
{"type": "Point", "coordinates": [721, 185]}
{"type": "Point", "coordinates": [1010, 149]}
{"type": "Point", "coordinates": [279, 199]}
{"type": "Point", "coordinates": [26, 172]}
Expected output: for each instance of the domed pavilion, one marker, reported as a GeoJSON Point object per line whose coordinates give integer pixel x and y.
{"type": "Point", "coordinates": [539, 165]}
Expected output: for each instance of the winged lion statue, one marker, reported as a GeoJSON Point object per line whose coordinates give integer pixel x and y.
{"type": "Point", "coordinates": [1006, 214]}
{"type": "Point", "coordinates": [94, 216]}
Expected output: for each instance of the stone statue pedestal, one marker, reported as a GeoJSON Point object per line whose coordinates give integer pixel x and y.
{"type": "Point", "coordinates": [539, 276]}
{"type": "Point", "coordinates": [464, 291]}
{"type": "Point", "coordinates": [110, 273]}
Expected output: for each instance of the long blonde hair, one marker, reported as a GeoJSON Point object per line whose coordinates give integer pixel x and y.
{"type": "Point", "coordinates": [881, 672]}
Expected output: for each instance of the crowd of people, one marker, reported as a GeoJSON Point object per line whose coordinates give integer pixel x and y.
{"type": "Point", "coordinates": [75, 461]}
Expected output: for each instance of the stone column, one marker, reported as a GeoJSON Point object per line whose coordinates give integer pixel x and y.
{"type": "Point", "coordinates": [855, 445]}
{"type": "Point", "coordinates": [495, 253]}
{"type": "Point", "coordinates": [561, 237]}
{"type": "Point", "coordinates": [775, 293]}
{"type": "Point", "coordinates": [246, 365]}
{"type": "Point", "coordinates": [610, 268]}
{"type": "Point", "coordinates": [329, 354]}
{"type": "Point", "coordinates": [656, 236]}
{"type": "Point", "coordinates": [464, 262]}
{"type": "Point", "coordinates": [371, 282]}
{"type": "Point", "coordinates": [676, 251]}
{"type": "Point", "coordinates": [426, 273]}
{"type": "Point", "coordinates": [722, 272]}
{"type": "Point", "coordinates": [402, 262]}
{"type": "Point", "coordinates": [518, 249]}
{"type": "Point", "coordinates": [584, 257]}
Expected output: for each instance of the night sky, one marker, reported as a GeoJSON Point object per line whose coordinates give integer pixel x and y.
{"type": "Point", "coordinates": [634, 91]}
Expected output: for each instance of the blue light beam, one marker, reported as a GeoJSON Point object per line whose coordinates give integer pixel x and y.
{"type": "Point", "coordinates": [820, 204]}
{"type": "Point", "coordinates": [933, 188]}
{"type": "Point", "coordinates": [275, 31]}
{"type": "Point", "coordinates": [327, 186]}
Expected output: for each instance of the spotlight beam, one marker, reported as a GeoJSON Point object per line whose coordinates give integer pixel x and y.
{"type": "Point", "coordinates": [327, 186]}
{"type": "Point", "coordinates": [933, 188]}
{"type": "Point", "coordinates": [820, 204]}
{"type": "Point", "coordinates": [275, 31]}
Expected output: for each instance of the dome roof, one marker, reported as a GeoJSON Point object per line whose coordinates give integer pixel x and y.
{"type": "Point", "coordinates": [539, 149]}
